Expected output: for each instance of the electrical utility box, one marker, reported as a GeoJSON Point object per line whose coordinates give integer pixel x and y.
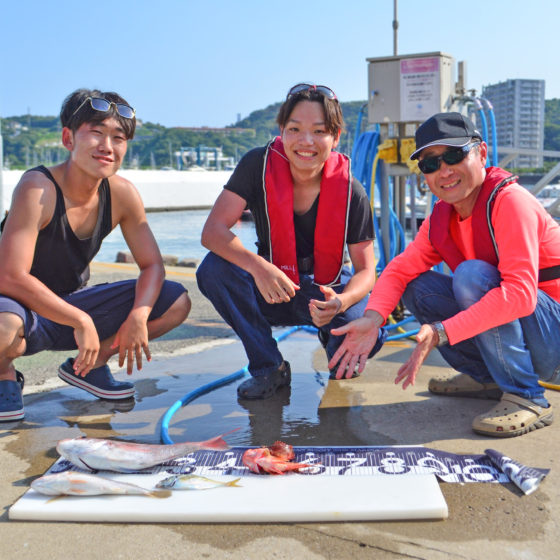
{"type": "Point", "coordinates": [409, 88]}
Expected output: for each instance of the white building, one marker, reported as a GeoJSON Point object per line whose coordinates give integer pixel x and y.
{"type": "Point", "coordinates": [519, 111]}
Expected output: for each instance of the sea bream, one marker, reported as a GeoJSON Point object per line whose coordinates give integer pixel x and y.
{"type": "Point", "coordinates": [120, 456]}
{"type": "Point", "coordinates": [71, 483]}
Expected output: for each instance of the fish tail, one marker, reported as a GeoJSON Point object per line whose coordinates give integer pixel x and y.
{"type": "Point", "coordinates": [234, 483]}
{"type": "Point", "coordinates": [160, 493]}
{"type": "Point", "coordinates": [217, 442]}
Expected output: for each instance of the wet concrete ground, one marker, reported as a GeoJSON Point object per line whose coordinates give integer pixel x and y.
{"type": "Point", "coordinates": [485, 520]}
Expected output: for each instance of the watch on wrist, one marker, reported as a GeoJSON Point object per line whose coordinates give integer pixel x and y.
{"type": "Point", "coordinates": [442, 335]}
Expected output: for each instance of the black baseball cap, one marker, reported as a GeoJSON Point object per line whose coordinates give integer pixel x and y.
{"type": "Point", "coordinates": [445, 129]}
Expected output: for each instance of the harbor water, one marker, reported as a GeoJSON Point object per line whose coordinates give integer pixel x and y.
{"type": "Point", "coordinates": [177, 233]}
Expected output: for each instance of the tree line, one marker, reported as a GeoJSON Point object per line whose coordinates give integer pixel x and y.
{"type": "Point", "coordinates": [32, 140]}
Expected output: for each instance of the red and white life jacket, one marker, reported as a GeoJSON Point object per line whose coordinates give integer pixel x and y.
{"type": "Point", "coordinates": [332, 214]}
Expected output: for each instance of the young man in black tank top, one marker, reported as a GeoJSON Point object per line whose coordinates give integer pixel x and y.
{"type": "Point", "coordinates": [54, 228]}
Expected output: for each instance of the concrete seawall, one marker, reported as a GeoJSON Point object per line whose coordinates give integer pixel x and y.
{"type": "Point", "coordinates": [160, 190]}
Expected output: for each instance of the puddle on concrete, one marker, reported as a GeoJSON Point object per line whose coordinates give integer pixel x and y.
{"type": "Point", "coordinates": [313, 411]}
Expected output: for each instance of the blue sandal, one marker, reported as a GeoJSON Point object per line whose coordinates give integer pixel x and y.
{"type": "Point", "coordinates": [98, 382]}
{"type": "Point", "coordinates": [11, 399]}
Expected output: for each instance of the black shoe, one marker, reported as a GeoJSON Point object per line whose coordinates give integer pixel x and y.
{"type": "Point", "coordinates": [332, 374]}
{"type": "Point", "coordinates": [264, 386]}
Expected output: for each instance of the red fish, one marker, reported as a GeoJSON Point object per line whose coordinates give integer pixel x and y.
{"type": "Point", "coordinates": [119, 456]}
{"type": "Point", "coordinates": [263, 460]}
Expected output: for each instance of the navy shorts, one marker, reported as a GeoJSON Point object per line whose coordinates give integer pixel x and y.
{"type": "Point", "coordinates": [107, 304]}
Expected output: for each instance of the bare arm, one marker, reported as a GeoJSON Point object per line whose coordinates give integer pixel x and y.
{"type": "Point", "coordinates": [132, 336]}
{"type": "Point", "coordinates": [32, 208]}
{"type": "Point", "coordinates": [217, 237]}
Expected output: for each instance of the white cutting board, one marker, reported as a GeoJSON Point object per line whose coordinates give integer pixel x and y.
{"type": "Point", "coordinates": [261, 498]}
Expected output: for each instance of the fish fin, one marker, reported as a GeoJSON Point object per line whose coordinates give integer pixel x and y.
{"type": "Point", "coordinates": [217, 443]}
{"type": "Point", "coordinates": [234, 483]}
{"type": "Point", "coordinates": [160, 493]}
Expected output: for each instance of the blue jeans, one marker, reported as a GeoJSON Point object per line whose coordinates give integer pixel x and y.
{"type": "Point", "coordinates": [237, 299]}
{"type": "Point", "coordinates": [515, 355]}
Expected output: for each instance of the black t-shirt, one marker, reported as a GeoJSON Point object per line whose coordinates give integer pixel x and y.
{"type": "Point", "coordinates": [247, 182]}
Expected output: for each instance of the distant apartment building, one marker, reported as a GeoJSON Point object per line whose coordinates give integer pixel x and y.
{"type": "Point", "coordinates": [519, 112]}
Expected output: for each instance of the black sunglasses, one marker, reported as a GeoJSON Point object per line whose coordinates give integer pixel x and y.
{"type": "Point", "coordinates": [452, 156]}
{"type": "Point", "coordinates": [326, 91]}
{"type": "Point", "coordinates": [100, 104]}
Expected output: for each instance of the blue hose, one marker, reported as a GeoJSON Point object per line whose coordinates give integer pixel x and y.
{"type": "Point", "coordinates": [483, 120]}
{"type": "Point", "coordinates": [490, 108]}
{"type": "Point", "coordinates": [223, 381]}
{"type": "Point", "coordinates": [189, 397]}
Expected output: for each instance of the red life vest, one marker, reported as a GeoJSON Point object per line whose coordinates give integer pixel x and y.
{"type": "Point", "coordinates": [332, 214]}
{"type": "Point", "coordinates": [485, 247]}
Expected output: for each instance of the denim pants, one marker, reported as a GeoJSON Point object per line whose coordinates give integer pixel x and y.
{"type": "Point", "coordinates": [514, 355]}
{"type": "Point", "coordinates": [236, 298]}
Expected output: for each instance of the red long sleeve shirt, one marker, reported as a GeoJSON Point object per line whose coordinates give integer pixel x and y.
{"type": "Point", "coordinates": [528, 239]}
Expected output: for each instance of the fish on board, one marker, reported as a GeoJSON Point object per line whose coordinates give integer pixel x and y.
{"type": "Point", "coordinates": [282, 450]}
{"type": "Point", "coordinates": [119, 456]}
{"type": "Point", "coordinates": [194, 482]}
{"type": "Point", "coordinates": [72, 483]}
{"type": "Point", "coordinates": [263, 460]}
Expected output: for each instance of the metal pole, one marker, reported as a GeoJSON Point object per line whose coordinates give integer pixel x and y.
{"type": "Point", "coordinates": [395, 28]}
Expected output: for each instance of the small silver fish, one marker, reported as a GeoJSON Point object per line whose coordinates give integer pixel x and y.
{"type": "Point", "coordinates": [120, 456]}
{"type": "Point", "coordinates": [193, 482]}
{"type": "Point", "coordinates": [72, 483]}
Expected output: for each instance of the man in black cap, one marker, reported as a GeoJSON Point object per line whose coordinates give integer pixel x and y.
{"type": "Point", "coordinates": [496, 319]}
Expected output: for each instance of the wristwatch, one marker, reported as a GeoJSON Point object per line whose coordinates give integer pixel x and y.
{"type": "Point", "coordinates": [442, 335]}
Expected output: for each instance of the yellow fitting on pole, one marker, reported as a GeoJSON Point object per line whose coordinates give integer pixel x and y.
{"type": "Point", "coordinates": [387, 150]}
{"type": "Point", "coordinates": [408, 145]}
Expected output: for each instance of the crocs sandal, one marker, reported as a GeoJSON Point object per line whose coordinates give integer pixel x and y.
{"type": "Point", "coordinates": [98, 382]}
{"type": "Point", "coordinates": [11, 399]}
{"type": "Point", "coordinates": [512, 416]}
{"type": "Point", "coordinates": [464, 385]}
{"type": "Point", "coordinates": [332, 374]}
{"type": "Point", "coordinates": [264, 386]}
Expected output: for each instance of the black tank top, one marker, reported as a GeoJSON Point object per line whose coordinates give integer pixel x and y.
{"type": "Point", "coordinates": [61, 260]}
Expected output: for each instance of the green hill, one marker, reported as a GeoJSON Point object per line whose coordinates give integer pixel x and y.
{"type": "Point", "coordinates": [30, 140]}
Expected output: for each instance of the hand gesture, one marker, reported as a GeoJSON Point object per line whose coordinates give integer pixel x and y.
{"type": "Point", "coordinates": [426, 339]}
{"type": "Point", "coordinates": [87, 341]}
{"type": "Point", "coordinates": [323, 312]}
{"type": "Point", "coordinates": [273, 284]}
{"type": "Point", "coordinates": [361, 336]}
{"type": "Point", "coordinates": [131, 340]}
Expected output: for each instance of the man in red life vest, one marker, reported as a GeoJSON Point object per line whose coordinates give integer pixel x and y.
{"type": "Point", "coordinates": [496, 318]}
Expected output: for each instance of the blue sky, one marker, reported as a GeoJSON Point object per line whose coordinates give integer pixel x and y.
{"type": "Point", "coordinates": [187, 63]}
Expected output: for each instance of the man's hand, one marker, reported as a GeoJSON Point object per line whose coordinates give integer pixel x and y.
{"type": "Point", "coordinates": [361, 336]}
{"type": "Point", "coordinates": [323, 312]}
{"type": "Point", "coordinates": [131, 340]}
{"type": "Point", "coordinates": [273, 284]}
{"type": "Point", "coordinates": [87, 342]}
{"type": "Point", "coordinates": [427, 338]}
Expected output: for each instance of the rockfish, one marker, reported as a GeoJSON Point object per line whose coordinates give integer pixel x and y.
{"type": "Point", "coordinates": [120, 456]}
{"type": "Point", "coordinates": [272, 460]}
{"type": "Point", "coordinates": [71, 483]}
{"type": "Point", "coordinates": [193, 482]}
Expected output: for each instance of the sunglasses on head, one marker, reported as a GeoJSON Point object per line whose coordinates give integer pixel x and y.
{"type": "Point", "coordinates": [324, 90]}
{"type": "Point", "coordinates": [453, 156]}
{"type": "Point", "coordinates": [100, 104]}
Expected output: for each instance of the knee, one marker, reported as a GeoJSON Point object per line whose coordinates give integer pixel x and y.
{"type": "Point", "coordinates": [12, 339]}
{"type": "Point", "coordinates": [211, 271]}
{"type": "Point", "coordinates": [472, 279]}
{"type": "Point", "coordinates": [180, 309]}
{"type": "Point", "coordinates": [409, 296]}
